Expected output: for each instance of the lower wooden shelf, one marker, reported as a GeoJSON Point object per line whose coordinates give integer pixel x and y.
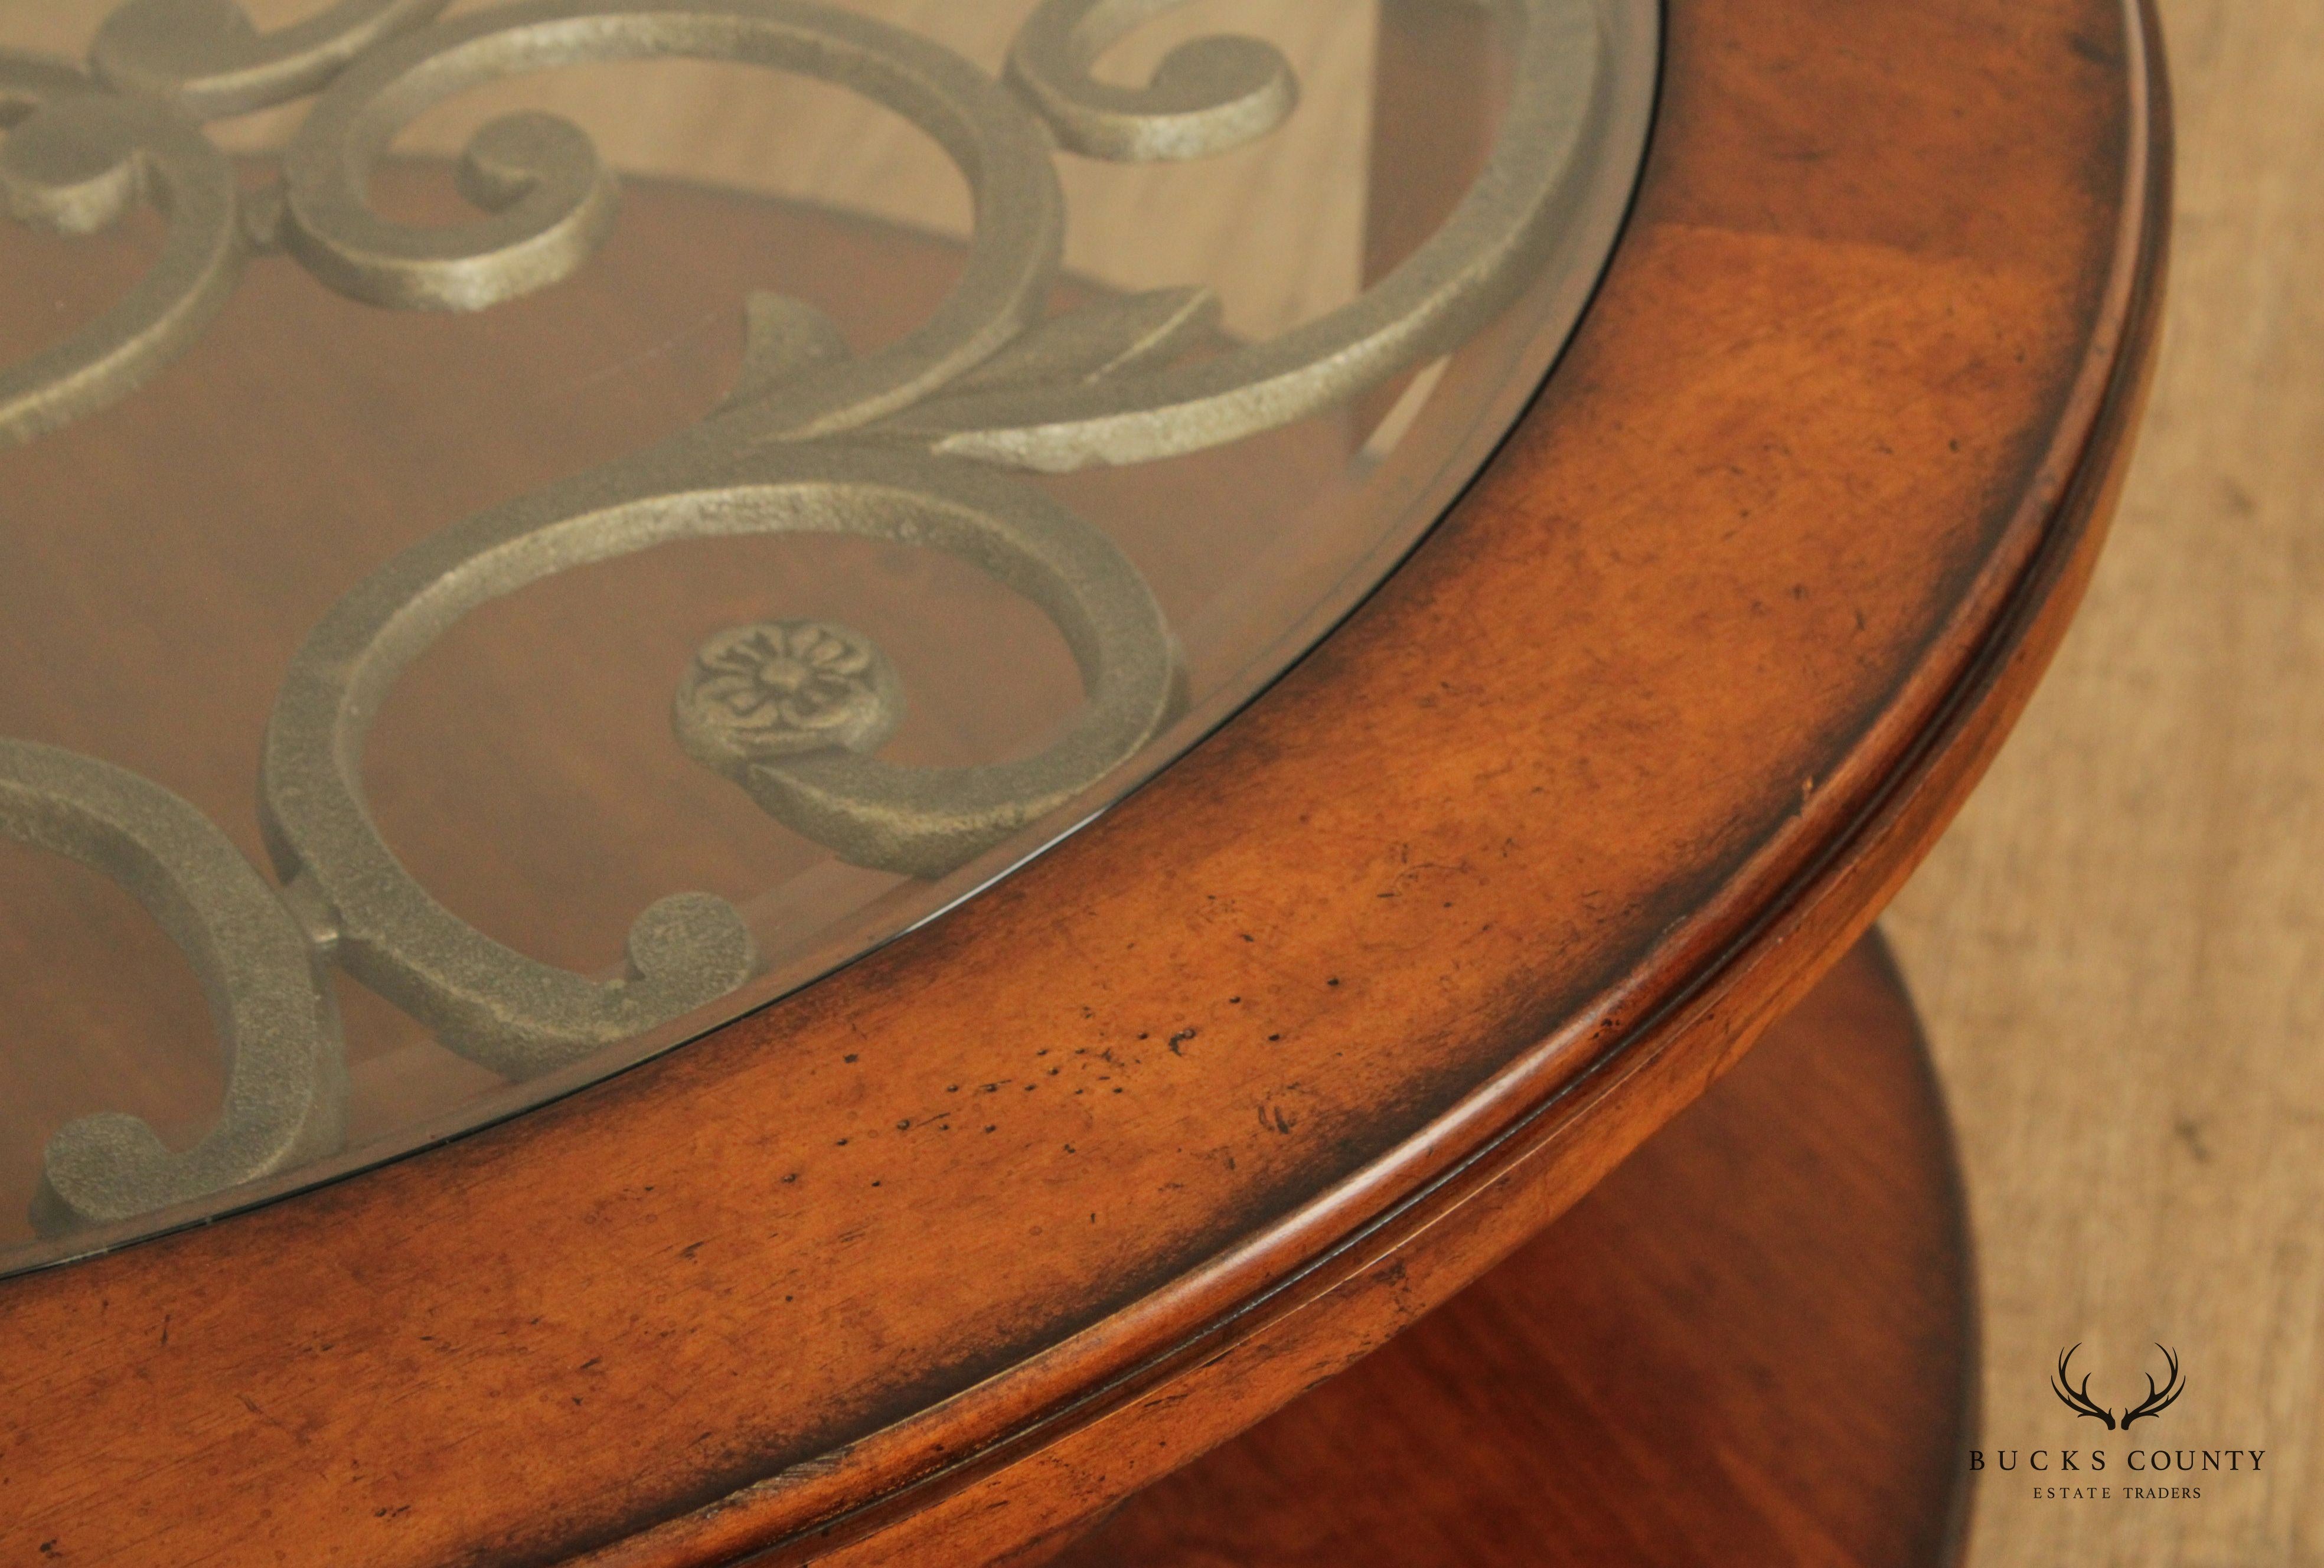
{"type": "Point", "coordinates": [1753, 1344]}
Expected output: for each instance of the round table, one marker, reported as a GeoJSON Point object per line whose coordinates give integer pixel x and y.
{"type": "Point", "coordinates": [1414, 985]}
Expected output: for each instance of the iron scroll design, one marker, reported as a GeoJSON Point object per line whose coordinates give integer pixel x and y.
{"type": "Point", "coordinates": [911, 444]}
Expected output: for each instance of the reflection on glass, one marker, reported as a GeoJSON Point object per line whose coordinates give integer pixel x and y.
{"type": "Point", "coordinates": [669, 495]}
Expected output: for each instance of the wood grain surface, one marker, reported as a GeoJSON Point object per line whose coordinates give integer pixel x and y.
{"type": "Point", "coordinates": [1653, 738]}
{"type": "Point", "coordinates": [1664, 1376]}
{"type": "Point", "coordinates": [2119, 948]}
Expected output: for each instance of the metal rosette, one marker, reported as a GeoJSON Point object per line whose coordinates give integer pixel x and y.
{"type": "Point", "coordinates": [521, 1017]}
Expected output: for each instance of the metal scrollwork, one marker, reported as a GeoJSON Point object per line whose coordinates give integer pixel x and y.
{"type": "Point", "coordinates": [901, 446]}
{"type": "Point", "coordinates": [207, 58]}
{"type": "Point", "coordinates": [550, 199]}
{"type": "Point", "coordinates": [1459, 279]}
{"type": "Point", "coordinates": [285, 1095]}
{"type": "Point", "coordinates": [1212, 96]}
{"type": "Point", "coordinates": [75, 159]}
{"type": "Point", "coordinates": [521, 1017]}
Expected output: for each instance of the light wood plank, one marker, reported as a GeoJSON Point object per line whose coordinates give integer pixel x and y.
{"type": "Point", "coordinates": [2119, 947]}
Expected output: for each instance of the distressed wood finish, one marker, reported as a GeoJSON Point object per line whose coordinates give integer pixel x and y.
{"type": "Point", "coordinates": [943, 1255]}
{"type": "Point", "coordinates": [1664, 1375]}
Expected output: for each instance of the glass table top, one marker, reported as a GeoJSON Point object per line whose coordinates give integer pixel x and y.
{"type": "Point", "coordinates": [529, 529]}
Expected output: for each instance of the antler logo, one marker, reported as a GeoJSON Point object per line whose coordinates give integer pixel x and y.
{"type": "Point", "coordinates": [2076, 1397]}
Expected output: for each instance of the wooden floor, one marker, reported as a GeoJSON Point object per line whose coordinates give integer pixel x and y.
{"type": "Point", "coordinates": [2119, 947]}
